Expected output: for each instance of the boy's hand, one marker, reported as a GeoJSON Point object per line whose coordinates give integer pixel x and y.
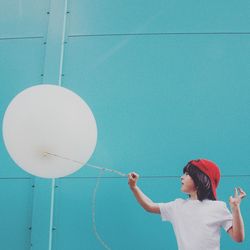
{"type": "Point", "coordinates": [236, 200]}
{"type": "Point", "coordinates": [132, 179]}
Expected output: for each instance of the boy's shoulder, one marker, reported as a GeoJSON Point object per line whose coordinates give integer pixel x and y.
{"type": "Point", "coordinates": [179, 200]}
{"type": "Point", "coordinates": [218, 202]}
{"type": "Point", "coordinates": [221, 203]}
{"type": "Point", "coordinates": [214, 202]}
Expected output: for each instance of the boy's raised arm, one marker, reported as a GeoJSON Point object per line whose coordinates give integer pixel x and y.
{"type": "Point", "coordinates": [237, 232]}
{"type": "Point", "coordinates": [143, 200]}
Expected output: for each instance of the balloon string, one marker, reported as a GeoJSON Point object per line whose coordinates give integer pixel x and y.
{"type": "Point", "coordinates": [94, 192]}
{"type": "Point", "coordinates": [89, 165]}
{"type": "Point", "coordinates": [93, 213]}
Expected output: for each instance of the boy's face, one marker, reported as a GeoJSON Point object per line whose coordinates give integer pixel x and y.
{"type": "Point", "coordinates": [187, 185]}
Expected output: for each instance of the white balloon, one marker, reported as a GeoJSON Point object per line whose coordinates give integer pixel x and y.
{"type": "Point", "coordinates": [49, 118]}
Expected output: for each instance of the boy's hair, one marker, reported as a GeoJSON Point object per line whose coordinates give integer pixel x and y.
{"type": "Point", "coordinates": [201, 181]}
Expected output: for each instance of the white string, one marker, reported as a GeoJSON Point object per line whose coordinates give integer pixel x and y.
{"type": "Point", "coordinates": [89, 165]}
{"type": "Point", "coordinates": [102, 170]}
{"type": "Point", "coordinates": [93, 212]}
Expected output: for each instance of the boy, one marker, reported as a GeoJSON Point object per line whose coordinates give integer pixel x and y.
{"type": "Point", "coordinates": [197, 220]}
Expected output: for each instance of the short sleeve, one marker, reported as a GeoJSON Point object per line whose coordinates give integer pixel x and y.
{"type": "Point", "coordinates": [167, 210]}
{"type": "Point", "coordinates": [226, 217]}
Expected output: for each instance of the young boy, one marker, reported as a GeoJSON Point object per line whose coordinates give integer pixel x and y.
{"type": "Point", "coordinates": [197, 220]}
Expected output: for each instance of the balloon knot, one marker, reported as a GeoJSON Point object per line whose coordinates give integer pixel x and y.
{"type": "Point", "coordinates": [45, 154]}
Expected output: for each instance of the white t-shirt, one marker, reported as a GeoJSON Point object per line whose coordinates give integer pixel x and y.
{"type": "Point", "coordinates": [197, 223]}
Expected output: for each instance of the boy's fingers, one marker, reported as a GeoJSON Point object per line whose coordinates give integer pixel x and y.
{"type": "Point", "coordinates": [131, 174]}
{"type": "Point", "coordinates": [242, 191]}
{"type": "Point", "coordinates": [135, 175]}
{"type": "Point", "coordinates": [242, 194]}
{"type": "Point", "coordinates": [235, 192]}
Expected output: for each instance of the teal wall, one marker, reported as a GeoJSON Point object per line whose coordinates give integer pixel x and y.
{"type": "Point", "coordinates": [167, 81]}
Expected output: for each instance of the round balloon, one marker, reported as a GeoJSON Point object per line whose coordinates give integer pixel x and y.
{"type": "Point", "coordinates": [50, 119]}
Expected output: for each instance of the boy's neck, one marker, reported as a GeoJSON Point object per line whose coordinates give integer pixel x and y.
{"type": "Point", "coordinates": [193, 196]}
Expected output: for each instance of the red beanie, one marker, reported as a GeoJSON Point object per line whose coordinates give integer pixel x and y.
{"type": "Point", "coordinates": [211, 170]}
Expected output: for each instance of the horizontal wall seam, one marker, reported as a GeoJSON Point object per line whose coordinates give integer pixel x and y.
{"type": "Point", "coordinates": [15, 178]}
{"type": "Point", "coordinates": [161, 34]}
{"type": "Point", "coordinates": [146, 176]}
{"type": "Point", "coordinates": [21, 37]}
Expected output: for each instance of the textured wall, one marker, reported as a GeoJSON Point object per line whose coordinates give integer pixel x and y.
{"type": "Point", "coordinates": [167, 81]}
